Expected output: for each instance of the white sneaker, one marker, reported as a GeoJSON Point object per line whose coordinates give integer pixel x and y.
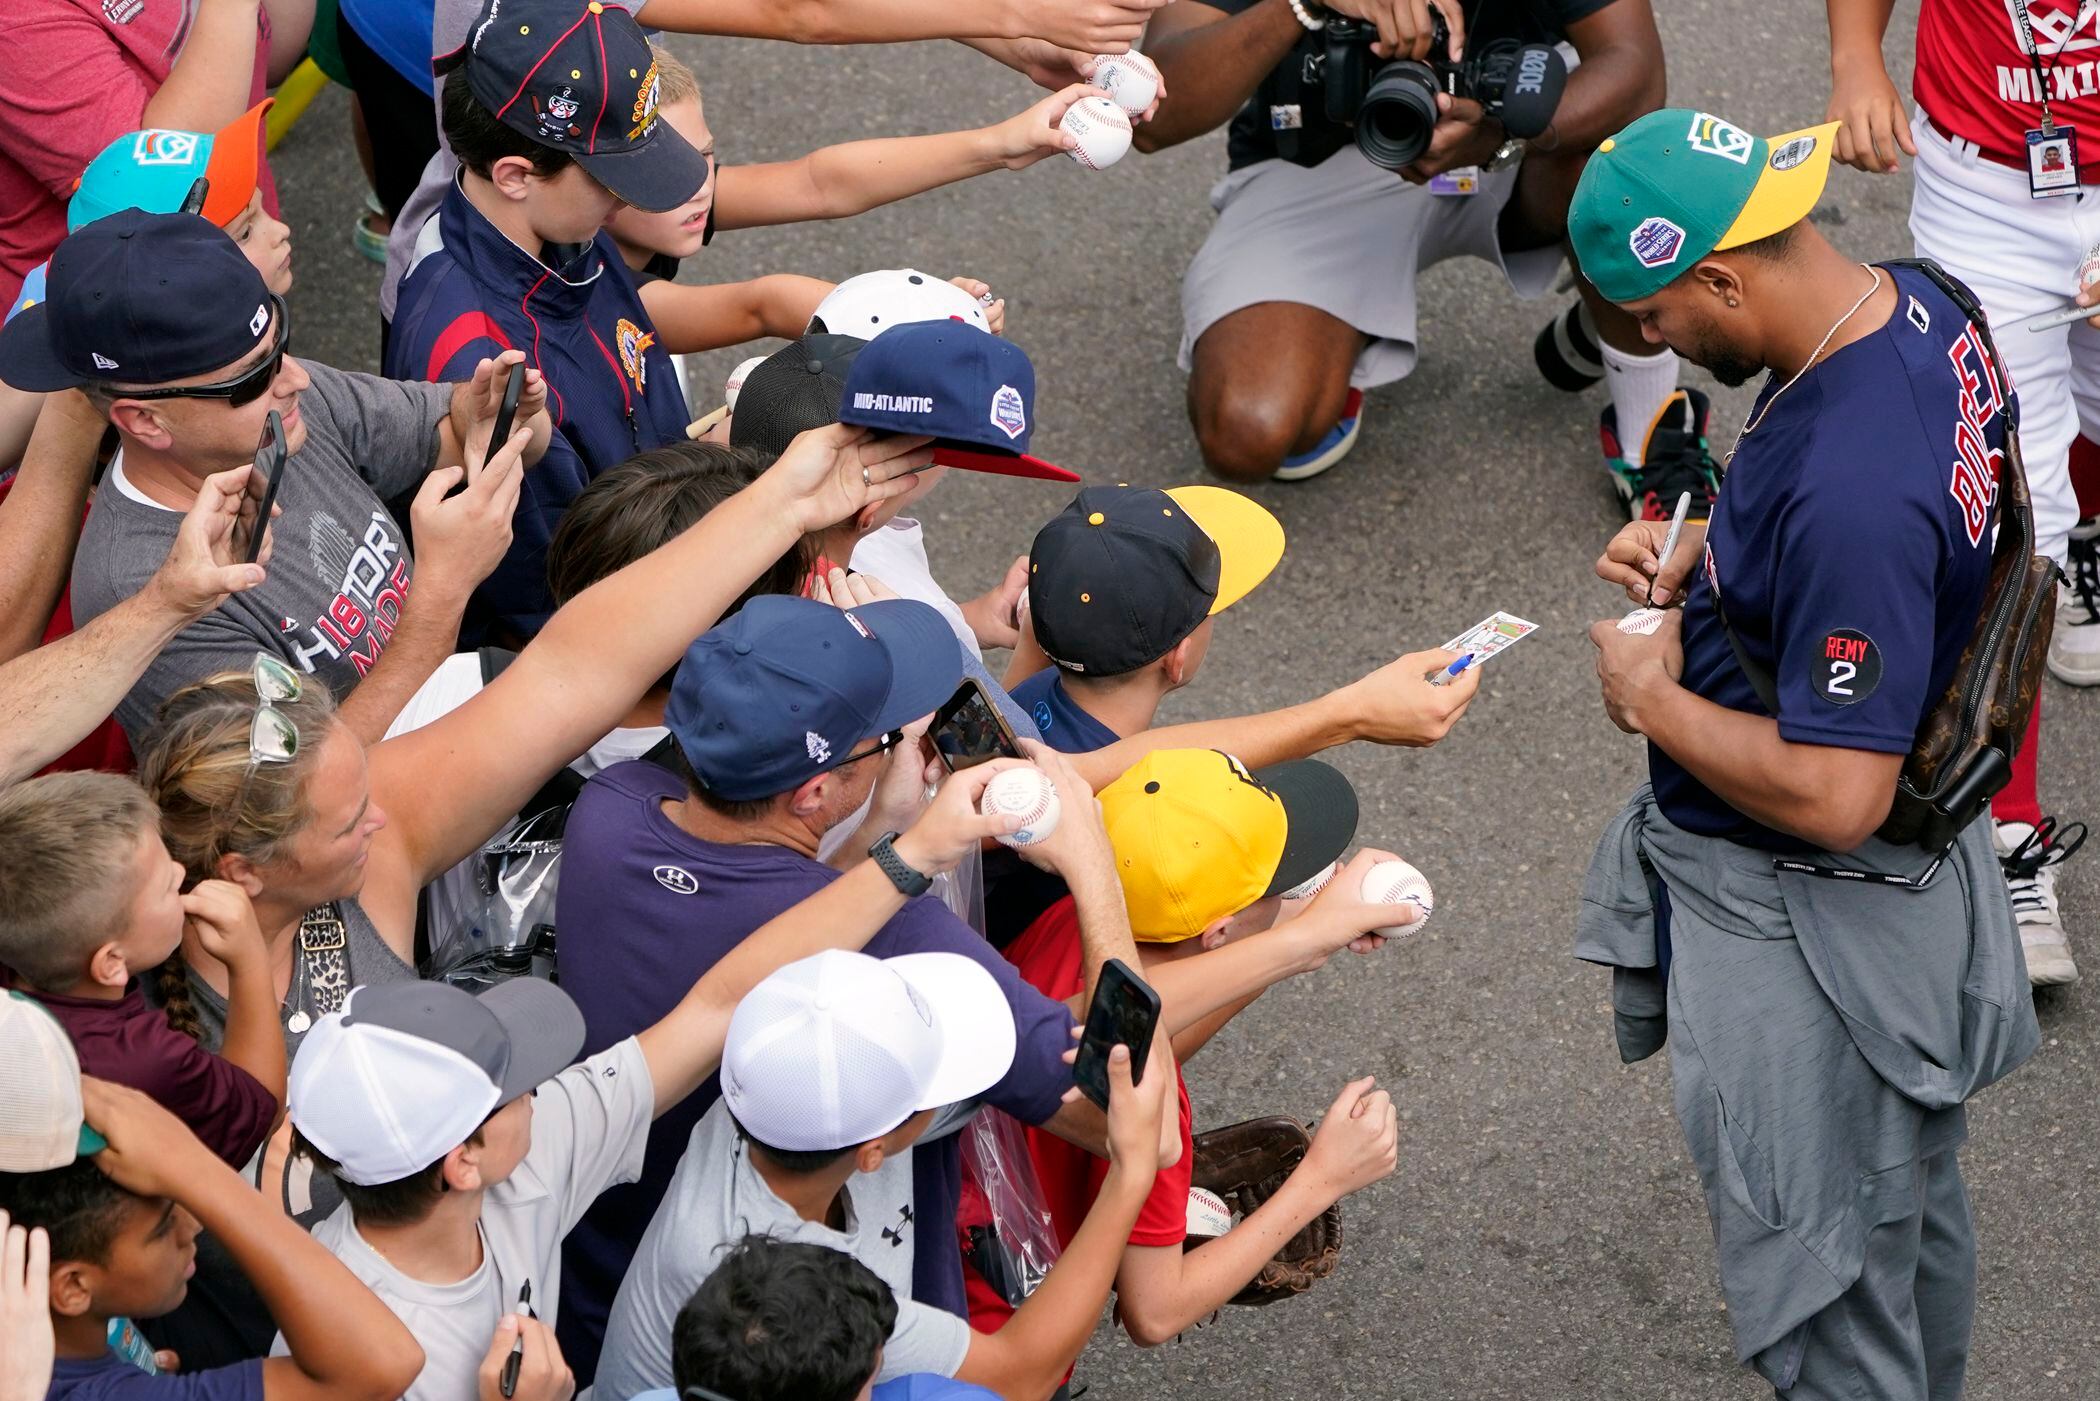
{"type": "Point", "coordinates": [2030, 856]}
{"type": "Point", "coordinates": [2074, 649]}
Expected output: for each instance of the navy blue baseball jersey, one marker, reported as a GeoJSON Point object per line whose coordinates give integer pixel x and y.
{"type": "Point", "coordinates": [1850, 547]}
{"type": "Point", "coordinates": [612, 391]}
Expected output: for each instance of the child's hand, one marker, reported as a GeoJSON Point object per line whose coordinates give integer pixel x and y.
{"type": "Point", "coordinates": [219, 914]}
{"type": "Point", "coordinates": [994, 307]}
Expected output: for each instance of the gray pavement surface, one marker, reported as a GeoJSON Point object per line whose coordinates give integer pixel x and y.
{"type": "Point", "coordinates": [1544, 1235]}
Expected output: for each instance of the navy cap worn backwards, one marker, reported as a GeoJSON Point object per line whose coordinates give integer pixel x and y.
{"type": "Point", "coordinates": [970, 389]}
{"type": "Point", "coordinates": [138, 299]}
{"type": "Point", "coordinates": [787, 687]}
{"type": "Point", "coordinates": [578, 76]}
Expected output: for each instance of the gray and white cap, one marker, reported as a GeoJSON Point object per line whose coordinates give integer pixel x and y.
{"type": "Point", "coordinates": [406, 1072]}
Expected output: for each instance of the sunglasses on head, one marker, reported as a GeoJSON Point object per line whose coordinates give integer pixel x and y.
{"type": "Point", "coordinates": [272, 737]}
{"type": "Point", "coordinates": [244, 388]}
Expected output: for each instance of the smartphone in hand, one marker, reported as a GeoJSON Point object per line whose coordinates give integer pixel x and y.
{"type": "Point", "coordinates": [968, 729]}
{"type": "Point", "coordinates": [259, 496]}
{"type": "Point", "coordinates": [1125, 1011]}
{"type": "Point", "coordinates": [506, 415]}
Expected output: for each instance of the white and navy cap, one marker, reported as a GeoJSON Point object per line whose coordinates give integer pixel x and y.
{"type": "Point", "coordinates": [841, 1048]}
{"type": "Point", "coordinates": [406, 1072]}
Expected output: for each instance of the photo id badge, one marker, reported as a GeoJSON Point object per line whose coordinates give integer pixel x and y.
{"type": "Point", "coordinates": [2052, 161]}
{"type": "Point", "coordinates": [1461, 180]}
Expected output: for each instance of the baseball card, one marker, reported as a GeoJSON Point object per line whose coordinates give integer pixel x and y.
{"type": "Point", "coordinates": [1491, 635]}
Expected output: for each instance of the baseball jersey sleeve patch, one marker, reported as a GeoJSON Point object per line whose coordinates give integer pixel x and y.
{"type": "Point", "coordinates": [1849, 667]}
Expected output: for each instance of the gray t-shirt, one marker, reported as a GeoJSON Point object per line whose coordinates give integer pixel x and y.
{"type": "Point", "coordinates": [449, 31]}
{"type": "Point", "coordinates": [339, 572]}
{"type": "Point", "coordinates": [715, 1199]}
{"type": "Point", "coordinates": [589, 1126]}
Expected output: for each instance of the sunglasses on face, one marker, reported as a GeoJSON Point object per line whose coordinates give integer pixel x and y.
{"type": "Point", "coordinates": [887, 742]}
{"type": "Point", "coordinates": [244, 388]}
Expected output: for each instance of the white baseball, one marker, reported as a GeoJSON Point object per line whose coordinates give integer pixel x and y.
{"type": "Point", "coordinates": [1026, 792]}
{"type": "Point", "coordinates": [1313, 884]}
{"type": "Point", "coordinates": [734, 385]}
{"type": "Point", "coordinates": [1397, 883]}
{"type": "Point", "coordinates": [1130, 78]}
{"type": "Point", "coordinates": [1642, 622]}
{"type": "Point", "coordinates": [1103, 131]}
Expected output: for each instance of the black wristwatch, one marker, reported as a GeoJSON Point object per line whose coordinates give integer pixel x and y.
{"type": "Point", "coordinates": [908, 881]}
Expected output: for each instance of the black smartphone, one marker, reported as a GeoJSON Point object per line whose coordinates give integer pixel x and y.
{"type": "Point", "coordinates": [968, 729]}
{"type": "Point", "coordinates": [1125, 1012]}
{"type": "Point", "coordinates": [260, 494]}
{"type": "Point", "coordinates": [506, 414]}
{"type": "Point", "coordinates": [193, 202]}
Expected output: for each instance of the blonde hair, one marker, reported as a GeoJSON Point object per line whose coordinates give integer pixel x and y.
{"type": "Point", "coordinates": [68, 839]}
{"type": "Point", "coordinates": [675, 81]}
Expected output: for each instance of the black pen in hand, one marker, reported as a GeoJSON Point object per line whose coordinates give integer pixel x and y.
{"type": "Point", "coordinates": [517, 1346]}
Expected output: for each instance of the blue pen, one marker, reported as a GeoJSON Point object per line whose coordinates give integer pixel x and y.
{"type": "Point", "coordinates": [1444, 674]}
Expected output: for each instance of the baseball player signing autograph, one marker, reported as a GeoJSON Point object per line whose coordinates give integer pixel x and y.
{"type": "Point", "coordinates": [1824, 1029]}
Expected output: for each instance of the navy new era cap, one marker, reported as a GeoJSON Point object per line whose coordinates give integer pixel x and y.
{"type": "Point", "coordinates": [971, 390]}
{"type": "Point", "coordinates": [784, 690]}
{"type": "Point", "coordinates": [138, 299]}
{"type": "Point", "coordinates": [578, 76]}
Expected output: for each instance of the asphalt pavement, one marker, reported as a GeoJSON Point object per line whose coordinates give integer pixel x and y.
{"type": "Point", "coordinates": [1544, 1236]}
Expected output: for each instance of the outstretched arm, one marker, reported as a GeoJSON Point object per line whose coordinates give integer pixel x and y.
{"type": "Point", "coordinates": [454, 782]}
{"type": "Point", "coordinates": [685, 1047]}
{"type": "Point", "coordinates": [690, 319]}
{"type": "Point", "coordinates": [838, 181]}
{"type": "Point", "coordinates": [1093, 26]}
{"type": "Point", "coordinates": [40, 517]}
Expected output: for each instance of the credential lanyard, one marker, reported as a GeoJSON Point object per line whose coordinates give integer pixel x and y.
{"type": "Point", "coordinates": [2034, 56]}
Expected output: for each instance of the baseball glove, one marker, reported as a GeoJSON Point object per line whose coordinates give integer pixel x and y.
{"type": "Point", "coordinates": [1244, 1164]}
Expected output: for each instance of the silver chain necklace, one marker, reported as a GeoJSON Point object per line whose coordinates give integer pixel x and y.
{"type": "Point", "coordinates": [1807, 365]}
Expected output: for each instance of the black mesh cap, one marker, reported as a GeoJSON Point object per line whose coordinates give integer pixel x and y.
{"type": "Point", "coordinates": [797, 388]}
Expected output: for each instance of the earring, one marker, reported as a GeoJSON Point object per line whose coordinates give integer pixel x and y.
{"type": "Point", "coordinates": [1732, 301]}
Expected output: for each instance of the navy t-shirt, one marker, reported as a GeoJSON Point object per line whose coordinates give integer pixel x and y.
{"type": "Point", "coordinates": [1058, 719]}
{"type": "Point", "coordinates": [110, 1378]}
{"type": "Point", "coordinates": [1851, 547]}
{"type": "Point", "coordinates": [645, 909]}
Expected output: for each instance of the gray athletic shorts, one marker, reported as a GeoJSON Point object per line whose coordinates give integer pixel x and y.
{"type": "Point", "coordinates": [1348, 238]}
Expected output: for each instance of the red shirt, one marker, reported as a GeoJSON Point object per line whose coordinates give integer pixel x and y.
{"type": "Point", "coordinates": [1047, 955]}
{"type": "Point", "coordinates": [132, 1044]}
{"type": "Point", "coordinates": [1975, 78]}
{"type": "Point", "coordinates": [74, 76]}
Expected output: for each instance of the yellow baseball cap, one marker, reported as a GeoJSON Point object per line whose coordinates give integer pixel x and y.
{"type": "Point", "coordinates": [1198, 836]}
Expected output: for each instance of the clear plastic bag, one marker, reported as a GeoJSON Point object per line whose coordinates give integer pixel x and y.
{"type": "Point", "coordinates": [1016, 1250]}
{"type": "Point", "coordinates": [508, 929]}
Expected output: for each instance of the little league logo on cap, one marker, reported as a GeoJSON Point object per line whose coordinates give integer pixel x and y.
{"type": "Point", "coordinates": [155, 169]}
{"type": "Point", "coordinates": [972, 391]}
{"type": "Point", "coordinates": [1678, 185]}
{"type": "Point", "coordinates": [579, 76]}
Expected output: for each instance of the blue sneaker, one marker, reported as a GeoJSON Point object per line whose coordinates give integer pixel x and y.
{"type": "Point", "coordinates": [1330, 449]}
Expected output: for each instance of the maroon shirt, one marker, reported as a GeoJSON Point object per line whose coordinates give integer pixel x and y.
{"type": "Point", "coordinates": [130, 1043]}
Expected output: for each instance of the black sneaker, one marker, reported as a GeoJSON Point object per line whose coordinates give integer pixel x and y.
{"type": "Point", "coordinates": [1674, 460]}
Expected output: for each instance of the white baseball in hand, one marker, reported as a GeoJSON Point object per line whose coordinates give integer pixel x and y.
{"type": "Point", "coordinates": [734, 385]}
{"type": "Point", "coordinates": [1642, 622]}
{"type": "Point", "coordinates": [1130, 78]}
{"type": "Point", "coordinates": [1026, 792]}
{"type": "Point", "coordinates": [1397, 883]}
{"type": "Point", "coordinates": [1103, 131]}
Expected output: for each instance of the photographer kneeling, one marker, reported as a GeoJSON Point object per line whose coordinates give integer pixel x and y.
{"type": "Point", "coordinates": [1304, 293]}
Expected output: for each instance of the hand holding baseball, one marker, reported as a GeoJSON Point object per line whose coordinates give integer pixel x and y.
{"type": "Point", "coordinates": [1079, 841]}
{"type": "Point", "coordinates": [1343, 916]}
{"type": "Point", "coordinates": [1100, 131]}
{"type": "Point", "coordinates": [1358, 1141]}
{"type": "Point", "coordinates": [1022, 140]}
{"type": "Point", "coordinates": [955, 823]}
{"type": "Point", "coordinates": [1131, 79]}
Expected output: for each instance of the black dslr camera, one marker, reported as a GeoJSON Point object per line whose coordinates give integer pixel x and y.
{"type": "Point", "coordinates": [1392, 102]}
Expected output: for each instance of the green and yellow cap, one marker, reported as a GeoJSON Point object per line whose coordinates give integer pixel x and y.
{"type": "Point", "coordinates": [1677, 185]}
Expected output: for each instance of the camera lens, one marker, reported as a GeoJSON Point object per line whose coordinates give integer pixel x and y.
{"type": "Point", "coordinates": [1397, 115]}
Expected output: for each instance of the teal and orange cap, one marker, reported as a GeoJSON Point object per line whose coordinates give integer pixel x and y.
{"type": "Point", "coordinates": [1677, 185]}
{"type": "Point", "coordinates": [154, 169]}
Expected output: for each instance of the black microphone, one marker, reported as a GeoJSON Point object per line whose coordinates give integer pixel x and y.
{"type": "Point", "coordinates": [1533, 91]}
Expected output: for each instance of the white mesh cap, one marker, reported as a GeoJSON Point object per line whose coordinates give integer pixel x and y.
{"type": "Point", "coordinates": [841, 1048]}
{"type": "Point", "coordinates": [406, 1072]}
{"type": "Point", "coordinates": [871, 303]}
{"type": "Point", "coordinates": [41, 1126]}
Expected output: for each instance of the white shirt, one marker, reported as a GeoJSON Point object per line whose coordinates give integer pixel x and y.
{"type": "Point", "coordinates": [715, 1199]}
{"type": "Point", "coordinates": [589, 1126]}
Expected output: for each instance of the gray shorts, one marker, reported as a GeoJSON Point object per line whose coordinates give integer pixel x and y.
{"type": "Point", "coordinates": [1347, 238]}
